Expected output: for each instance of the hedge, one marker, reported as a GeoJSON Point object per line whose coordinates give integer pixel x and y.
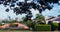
{"type": "Point", "coordinates": [44, 27]}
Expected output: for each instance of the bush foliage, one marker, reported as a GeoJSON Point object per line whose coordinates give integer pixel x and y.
{"type": "Point", "coordinates": [41, 27]}
{"type": "Point", "coordinates": [55, 24]}
{"type": "Point", "coordinates": [0, 24]}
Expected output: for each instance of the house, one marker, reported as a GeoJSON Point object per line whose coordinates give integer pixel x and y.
{"type": "Point", "coordinates": [49, 18]}
{"type": "Point", "coordinates": [53, 19]}
{"type": "Point", "coordinates": [4, 26]}
{"type": "Point", "coordinates": [17, 26]}
{"type": "Point", "coordinates": [21, 25]}
{"type": "Point", "coordinates": [57, 20]}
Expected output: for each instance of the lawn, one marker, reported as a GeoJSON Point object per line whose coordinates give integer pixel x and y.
{"type": "Point", "coordinates": [15, 31]}
{"type": "Point", "coordinates": [23, 31]}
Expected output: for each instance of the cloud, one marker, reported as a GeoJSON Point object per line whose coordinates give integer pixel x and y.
{"type": "Point", "coordinates": [52, 12]}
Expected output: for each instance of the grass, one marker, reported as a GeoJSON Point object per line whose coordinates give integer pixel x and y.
{"type": "Point", "coordinates": [24, 31]}
{"type": "Point", "coordinates": [15, 31]}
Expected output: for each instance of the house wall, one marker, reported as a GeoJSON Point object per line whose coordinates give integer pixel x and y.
{"type": "Point", "coordinates": [56, 21]}
{"type": "Point", "coordinates": [53, 21]}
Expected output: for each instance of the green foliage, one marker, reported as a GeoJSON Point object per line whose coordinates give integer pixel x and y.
{"type": "Point", "coordinates": [5, 21]}
{"type": "Point", "coordinates": [55, 24]}
{"type": "Point", "coordinates": [29, 23]}
{"type": "Point", "coordinates": [0, 24]}
{"type": "Point", "coordinates": [41, 27]}
{"type": "Point", "coordinates": [24, 19]}
{"type": "Point", "coordinates": [40, 18]}
{"type": "Point", "coordinates": [12, 25]}
{"type": "Point", "coordinates": [12, 21]}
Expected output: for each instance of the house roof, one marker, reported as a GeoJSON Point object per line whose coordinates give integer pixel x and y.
{"type": "Point", "coordinates": [19, 25]}
{"type": "Point", "coordinates": [54, 19]}
{"type": "Point", "coordinates": [57, 19]}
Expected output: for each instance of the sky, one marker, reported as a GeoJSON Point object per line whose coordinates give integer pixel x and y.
{"type": "Point", "coordinates": [53, 12]}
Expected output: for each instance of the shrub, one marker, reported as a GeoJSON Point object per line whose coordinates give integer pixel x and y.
{"type": "Point", "coordinates": [41, 27]}
{"type": "Point", "coordinates": [28, 23]}
{"type": "Point", "coordinates": [0, 24]}
{"type": "Point", "coordinates": [5, 21]}
{"type": "Point", "coordinates": [12, 25]}
{"type": "Point", "coordinates": [12, 21]}
{"type": "Point", "coordinates": [55, 24]}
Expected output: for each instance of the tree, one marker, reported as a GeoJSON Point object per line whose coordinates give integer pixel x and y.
{"type": "Point", "coordinates": [23, 18]}
{"type": "Point", "coordinates": [13, 21]}
{"type": "Point", "coordinates": [5, 21]}
{"type": "Point", "coordinates": [30, 24]}
{"type": "Point", "coordinates": [23, 7]}
{"type": "Point", "coordinates": [58, 15]}
{"type": "Point", "coordinates": [39, 18]}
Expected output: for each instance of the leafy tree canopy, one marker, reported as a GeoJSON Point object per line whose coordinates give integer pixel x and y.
{"type": "Point", "coordinates": [23, 7]}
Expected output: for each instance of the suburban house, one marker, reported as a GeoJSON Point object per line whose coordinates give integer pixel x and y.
{"type": "Point", "coordinates": [17, 26]}
{"type": "Point", "coordinates": [53, 19]}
